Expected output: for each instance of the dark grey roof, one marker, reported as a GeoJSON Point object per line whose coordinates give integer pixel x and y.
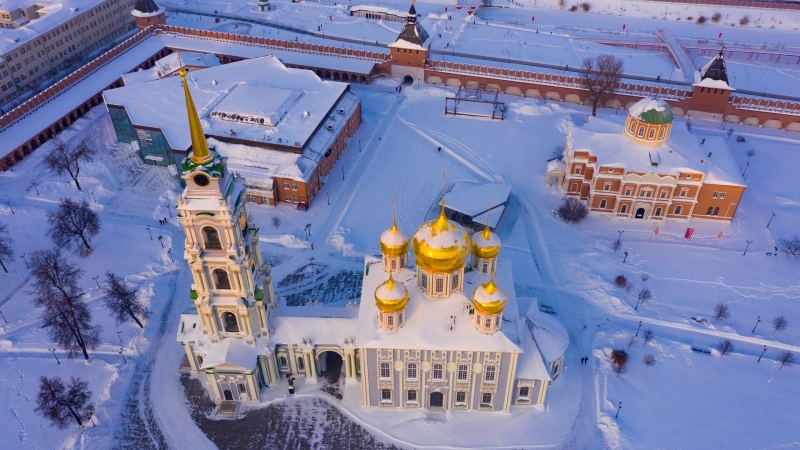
{"type": "Point", "coordinates": [146, 6]}
{"type": "Point", "coordinates": [716, 69]}
{"type": "Point", "coordinates": [413, 33]}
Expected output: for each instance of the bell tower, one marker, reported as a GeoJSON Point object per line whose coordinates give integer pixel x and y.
{"type": "Point", "coordinates": [232, 291]}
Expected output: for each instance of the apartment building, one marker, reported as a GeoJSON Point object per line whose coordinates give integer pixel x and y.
{"type": "Point", "coordinates": [39, 38]}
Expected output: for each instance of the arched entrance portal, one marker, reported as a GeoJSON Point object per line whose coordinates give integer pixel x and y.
{"type": "Point", "coordinates": [408, 80]}
{"type": "Point", "coordinates": [436, 400]}
{"type": "Point", "coordinates": [331, 366]}
{"type": "Point", "coordinates": [639, 213]}
{"type": "Point", "coordinates": [228, 394]}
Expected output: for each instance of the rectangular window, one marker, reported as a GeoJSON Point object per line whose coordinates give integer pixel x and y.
{"type": "Point", "coordinates": [389, 321]}
{"type": "Point", "coordinates": [461, 398]}
{"type": "Point", "coordinates": [294, 199]}
{"type": "Point", "coordinates": [683, 192]}
{"type": "Point", "coordinates": [714, 195]}
{"type": "Point", "coordinates": [386, 395]}
{"type": "Point", "coordinates": [627, 192]}
{"type": "Point", "coordinates": [411, 371]}
{"type": "Point", "coordinates": [294, 187]}
{"type": "Point", "coordinates": [423, 282]}
{"type": "Point", "coordinates": [455, 282]}
{"type": "Point", "coordinates": [412, 396]}
{"type": "Point", "coordinates": [386, 372]}
{"type": "Point", "coordinates": [439, 285]}
{"type": "Point", "coordinates": [438, 371]}
{"type": "Point", "coordinates": [286, 185]}
{"type": "Point", "coordinates": [721, 195]}
{"type": "Point", "coordinates": [491, 374]}
{"type": "Point", "coordinates": [524, 392]}
{"type": "Point", "coordinates": [288, 198]}
{"type": "Point", "coordinates": [463, 372]}
{"type": "Point", "coordinates": [486, 399]}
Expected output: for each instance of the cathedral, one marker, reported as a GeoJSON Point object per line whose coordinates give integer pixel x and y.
{"type": "Point", "coordinates": [440, 331]}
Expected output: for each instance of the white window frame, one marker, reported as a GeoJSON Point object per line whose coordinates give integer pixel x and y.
{"type": "Point", "coordinates": [384, 391]}
{"type": "Point", "coordinates": [423, 281]}
{"type": "Point", "coordinates": [385, 367]}
{"type": "Point", "coordinates": [487, 378]}
{"type": "Point", "coordinates": [389, 320]}
{"type": "Point", "coordinates": [491, 399]}
{"type": "Point", "coordinates": [603, 204]}
{"type": "Point", "coordinates": [437, 367]}
{"type": "Point", "coordinates": [409, 394]}
{"type": "Point", "coordinates": [715, 194]}
{"type": "Point", "coordinates": [527, 396]}
{"type": "Point", "coordinates": [437, 281]}
{"type": "Point", "coordinates": [465, 372]}
{"type": "Point", "coordinates": [412, 371]}
{"type": "Point", "coordinates": [461, 402]}
{"type": "Point", "coordinates": [721, 195]}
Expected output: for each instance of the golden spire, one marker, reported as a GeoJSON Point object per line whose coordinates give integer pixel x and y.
{"type": "Point", "coordinates": [487, 234]}
{"type": "Point", "coordinates": [390, 283]}
{"type": "Point", "coordinates": [200, 152]}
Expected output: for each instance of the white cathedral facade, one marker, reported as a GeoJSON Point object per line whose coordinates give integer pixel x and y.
{"type": "Point", "coordinates": [444, 333]}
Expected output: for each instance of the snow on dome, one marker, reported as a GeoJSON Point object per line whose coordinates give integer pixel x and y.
{"type": "Point", "coordinates": [485, 244]}
{"type": "Point", "coordinates": [391, 296]}
{"type": "Point", "coordinates": [441, 245]}
{"type": "Point", "coordinates": [652, 110]}
{"type": "Point", "coordinates": [489, 299]}
{"type": "Point", "coordinates": [394, 241]}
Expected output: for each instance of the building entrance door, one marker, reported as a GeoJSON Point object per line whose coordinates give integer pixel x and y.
{"type": "Point", "coordinates": [640, 213]}
{"type": "Point", "coordinates": [437, 400]}
{"type": "Point", "coordinates": [228, 394]}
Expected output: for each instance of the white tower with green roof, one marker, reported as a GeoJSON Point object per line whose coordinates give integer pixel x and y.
{"type": "Point", "coordinates": [232, 293]}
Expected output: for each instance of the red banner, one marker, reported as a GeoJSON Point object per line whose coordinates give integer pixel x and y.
{"type": "Point", "coordinates": [689, 232]}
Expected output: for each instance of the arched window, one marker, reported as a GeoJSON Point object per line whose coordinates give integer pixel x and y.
{"type": "Point", "coordinates": [211, 239]}
{"type": "Point", "coordinates": [301, 363]}
{"type": "Point", "coordinates": [386, 395]}
{"type": "Point", "coordinates": [624, 209]}
{"type": "Point", "coordinates": [423, 281]}
{"type": "Point", "coordinates": [389, 321]}
{"type": "Point", "coordinates": [678, 209]}
{"type": "Point", "coordinates": [602, 204]}
{"type": "Point", "coordinates": [394, 264]}
{"type": "Point", "coordinates": [651, 134]}
{"type": "Point", "coordinates": [455, 281]}
{"type": "Point", "coordinates": [411, 371]}
{"type": "Point", "coordinates": [661, 133]}
{"type": "Point", "coordinates": [242, 388]}
{"type": "Point", "coordinates": [221, 280]}
{"type": "Point", "coordinates": [632, 128]}
{"type": "Point", "coordinates": [230, 322]}
{"type": "Point", "coordinates": [284, 362]}
{"type": "Point", "coordinates": [708, 213]}
{"type": "Point", "coordinates": [641, 132]}
{"type": "Point", "coordinates": [658, 211]}
{"type": "Point", "coordinates": [716, 211]}
{"type": "Point", "coordinates": [488, 323]}
{"type": "Point", "coordinates": [663, 194]}
{"type": "Point", "coordinates": [577, 170]}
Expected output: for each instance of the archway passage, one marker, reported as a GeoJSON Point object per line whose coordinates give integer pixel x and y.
{"type": "Point", "coordinates": [408, 80]}
{"type": "Point", "coordinates": [330, 366]}
{"type": "Point", "coordinates": [436, 400]}
{"type": "Point", "coordinates": [228, 394]}
{"type": "Point", "coordinates": [639, 213]}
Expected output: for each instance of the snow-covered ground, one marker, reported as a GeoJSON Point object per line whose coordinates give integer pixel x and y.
{"type": "Point", "coordinates": [568, 268]}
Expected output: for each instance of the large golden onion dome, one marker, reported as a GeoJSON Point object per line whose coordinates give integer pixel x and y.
{"type": "Point", "coordinates": [440, 245]}
{"type": "Point", "coordinates": [485, 244]}
{"type": "Point", "coordinates": [489, 299]}
{"type": "Point", "coordinates": [394, 241]}
{"type": "Point", "coordinates": [391, 296]}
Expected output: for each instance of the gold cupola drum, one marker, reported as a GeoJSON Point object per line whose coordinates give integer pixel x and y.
{"type": "Point", "coordinates": [394, 248]}
{"type": "Point", "coordinates": [441, 249]}
{"type": "Point", "coordinates": [485, 248]}
{"type": "Point", "coordinates": [391, 298]}
{"type": "Point", "coordinates": [489, 302]}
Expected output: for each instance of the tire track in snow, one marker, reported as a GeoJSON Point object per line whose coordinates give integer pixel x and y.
{"type": "Point", "coordinates": [401, 193]}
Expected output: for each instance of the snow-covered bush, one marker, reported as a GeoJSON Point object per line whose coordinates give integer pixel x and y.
{"type": "Point", "coordinates": [586, 6]}
{"type": "Point", "coordinates": [716, 17]}
{"type": "Point", "coordinates": [621, 281]}
{"type": "Point", "coordinates": [572, 210]}
{"type": "Point", "coordinates": [744, 20]}
{"type": "Point", "coordinates": [701, 20]}
{"type": "Point", "coordinates": [619, 358]}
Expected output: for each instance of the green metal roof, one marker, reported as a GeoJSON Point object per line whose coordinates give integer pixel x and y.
{"type": "Point", "coordinates": [653, 110]}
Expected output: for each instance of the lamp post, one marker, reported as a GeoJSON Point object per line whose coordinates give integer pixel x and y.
{"type": "Point", "coordinates": [757, 321]}
{"type": "Point", "coordinates": [342, 172]}
{"type": "Point", "coordinates": [169, 210]}
{"type": "Point", "coordinates": [745, 169]}
{"type": "Point", "coordinates": [161, 241]}
{"type": "Point", "coordinates": [35, 186]}
{"type": "Point", "coordinates": [123, 356]}
{"type": "Point", "coordinates": [3, 316]}
{"type": "Point", "coordinates": [762, 353]}
{"type": "Point", "coordinates": [618, 408]}
{"type": "Point", "coordinates": [169, 252]}
{"type": "Point", "coordinates": [626, 257]}
{"type": "Point", "coordinates": [640, 326]}
{"type": "Point", "coordinates": [8, 202]}
{"type": "Point", "coordinates": [26, 261]}
{"type": "Point", "coordinates": [748, 246]}
{"type": "Point", "coordinates": [148, 232]}
{"type": "Point", "coordinates": [95, 278]}
{"type": "Point", "coordinates": [119, 335]}
{"type": "Point", "coordinates": [93, 197]}
{"type": "Point", "coordinates": [770, 219]}
{"type": "Point", "coordinates": [53, 351]}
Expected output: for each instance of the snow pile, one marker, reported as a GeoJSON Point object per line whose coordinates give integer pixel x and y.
{"type": "Point", "coordinates": [285, 240]}
{"type": "Point", "coordinates": [395, 238]}
{"type": "Point", "coordinates": [648, 104]}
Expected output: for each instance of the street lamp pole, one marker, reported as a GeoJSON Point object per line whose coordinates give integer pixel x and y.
{"type": "Point", "coordinates": [757, 321]}
{"type": "Point", "coordinates": [148, 232]}
{"type": "Point", "coordinates": [770, 219]}
{"type": "Point", "coordinates": [626, 257]}
{"type": "Point", "coordinates": [640, 326]}
{"type": "Point", "coordinates": [26, 261]}
{"type": "Point", "coordinates": [95, 280]}
{"type": "Point", "coordinates": [53, 351]}
{"type": "Point", "coordinates": [762, 353]}
{"type": "Point", "coordinates": [748, 246]}
{"type": "Point", "coordinates": [618, 408]}
{"type": "Point", "coordinates": [161, 241]}
{"type": "Point", "coordinates": [123, 356]}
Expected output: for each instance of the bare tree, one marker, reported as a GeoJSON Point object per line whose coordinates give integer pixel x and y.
{"type": "Point", "coordinates": [58, 403]}
{"type": "Point", "coordinates": [572, 210]}
{"type": "Point", "coordinates": [619, 358]}
{"type": "Point", "coordinates": [644, 295]}
{"type": "Point", "coordinates": [648, 360]}
{"type": "Point", "coordinates": [73, 225]}
{"type": "Point", "coordinates": [725, 347]}
{"type": "Point", "coordinates": [6, 245]}
{"type": "Point", "coordinates": [616, 245]}
{"type": "Point", "coordinates": [647, 336]}
{"type": "Point", "coordinates": [276, 221]}
{"type": "Point", "coordinates": [63, 159]}
{"type": "Point", "coordinates": [631, 340]}
{"type": "Point", "coordinates": [645, 277]}
{"type": "Point", "coordinates": [721, 311]}
{"type": "Point", "coordinates": [64, 313]}
{"type": "Point", "coordinates": [621, 281]}
{"type": "Point", "coordinates": [749, 152]}
{"type": "Point", "coordinates": [790, 246]}
{"type": "Point", "coordinates": [786, 358]}
{"type": "Point", "coordinates": [779, 323]}
{"type": "Point", "coordinates": [601, 77]}
{"type": "Point", "coordinates": [123, 301]}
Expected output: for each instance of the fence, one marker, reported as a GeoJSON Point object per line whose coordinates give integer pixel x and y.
{"type": "Point", "coordinates": [760, 104]}
{"type": "Point", "coordinates": [742, 4]}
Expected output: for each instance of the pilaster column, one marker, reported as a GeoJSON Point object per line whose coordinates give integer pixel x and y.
{"type": "Point", "coordinates": [347, 366]}
{"type": "Point", "coordinates": [311, 366]}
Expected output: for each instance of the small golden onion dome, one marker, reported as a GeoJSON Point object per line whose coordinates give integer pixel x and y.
{"type": "Point", "coordinates": [391, 296]}
{"type": "Point", "coordinates": [485, 244]}
{"type": "Point", "coordinates": [440, 245]}
{"type": "Point", "coordinates": [394, 241]}
{"type": "Point", "coordinates": [489, 299]}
